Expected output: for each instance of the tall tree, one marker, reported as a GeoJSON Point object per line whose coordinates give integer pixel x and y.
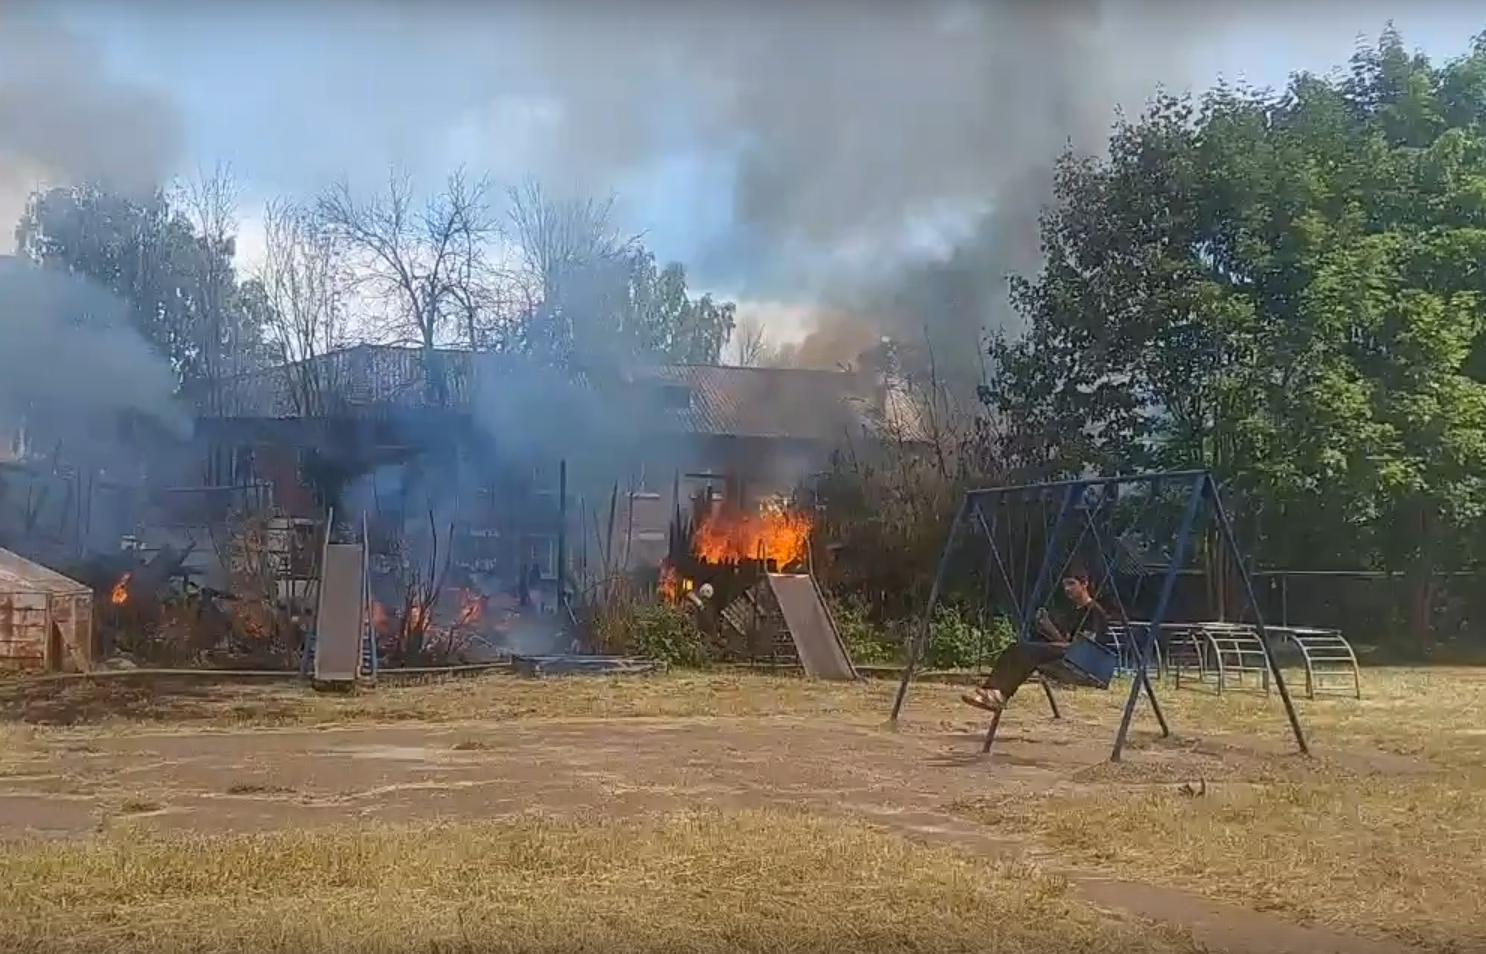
{"type": "Point", "coordinates": [751, 348]}
{"type": "Point", "coordinates": [1285, 288]}
{"type": "Point", "coordinates": [177, 281]}
{"type": "Point", "coordinates": [304, 281]}
{"type": "Point", "coordinates": [421, 262]}
{"type": "Point", "coordinates": [596, 295]}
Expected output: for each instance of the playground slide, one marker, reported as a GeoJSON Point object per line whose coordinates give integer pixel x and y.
{"type": "Point", "coordinates": [339, 623]}
{"type": "Point", "coordinates": [821, 654]}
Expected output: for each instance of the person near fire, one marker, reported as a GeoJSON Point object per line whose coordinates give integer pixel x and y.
{"type": "Point", "coordinates": [1049, 644]}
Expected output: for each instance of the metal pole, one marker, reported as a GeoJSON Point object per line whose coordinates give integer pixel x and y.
{"type": "Point", "coordinates": [1048, 562]}
{"type": "Point", "coordinates": [991, 732]}
{"type": "Point", "coordinates": [921, 639]}
{"type": "Point", "coordinates": [1226, 529]}
{"type": "Point", "coordinates": [1178, 554]}
{"type": "Point", "coordinates": [1035, 603]}
{"type": "Point", "coordinates": [562, 534]}
{"type": "Point", "coordinates": [1109, 557]}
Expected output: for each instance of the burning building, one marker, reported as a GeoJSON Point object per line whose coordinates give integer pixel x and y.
{"type": "Point", "coordinates": [480, 440]}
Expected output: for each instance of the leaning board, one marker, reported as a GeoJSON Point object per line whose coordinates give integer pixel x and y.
{"type": "Point", "coordinates": [339, 622]}
{"type": "Point", "coordinates": [822, 655]}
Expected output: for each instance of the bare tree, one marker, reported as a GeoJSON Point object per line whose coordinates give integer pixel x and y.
{"type": "Point", "coordinates": [423, 263]}
{"type": "Point", "coordinates": [210, 201]}
{"type": "Point", "coordinates": [569, 249]}
{"type": "Point", "coordinates": [751, 348]}
{"type": "Point", "coordinates": [304, 282]}
{"type": "Point", "coordinates": [225, 341]}
{"type": "Point", "coordinates": [556, 235]}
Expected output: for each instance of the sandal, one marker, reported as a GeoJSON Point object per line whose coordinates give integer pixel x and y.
{"type": "Point", "coordinates": [980, 699]}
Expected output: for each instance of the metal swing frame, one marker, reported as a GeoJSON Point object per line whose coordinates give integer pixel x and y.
{"type": "Point", "coordinates": [1202, 493]}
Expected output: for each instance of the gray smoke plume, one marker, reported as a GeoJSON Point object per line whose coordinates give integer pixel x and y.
{"type": "Point", "coordinates": [68, 355]}
{"type": "Point", "coordinates": [883, 159]}
{"type": "Point", "coordinates": [887, 160]}
{"type": "Point", "coordinates": [65, 120]}
{"type": "Point", "coordinates": [859, 132]}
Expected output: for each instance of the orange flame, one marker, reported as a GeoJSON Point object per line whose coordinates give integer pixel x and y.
{"type": "Point", "coordinates": [471, 608]}
{"type": "Point", "coordinates": [729, 536]}
{"type": "Point", "coordinates": [672, 585]}
{"type": "Point", "coordinates": [120, 594]}
{"type": "Point", "coordinates": [415, 621]}
{"type": "Point", "coordinates": [381, 620]}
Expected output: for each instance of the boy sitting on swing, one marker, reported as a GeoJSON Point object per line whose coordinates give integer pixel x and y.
{"type": "Point", "coordinates": [1049, 645]}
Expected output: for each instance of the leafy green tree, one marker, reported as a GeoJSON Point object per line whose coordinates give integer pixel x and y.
{"type": "Point", "coordinates": [598, 297]}
{"type": "Point", "coordinates": [1285, 288]}
{"type": "Point", "coordinates": [178, 284]}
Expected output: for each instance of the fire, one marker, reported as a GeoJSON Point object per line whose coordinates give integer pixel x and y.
{"type": "Point", "coordinates": [381, 621]}
{"type": "Point", "coordinates": [672, 585]}
{"type": "Point", "coordinates": [120, 594]}
{"type": "Point", "coordinates": [729, 536]}
{"type": "Point", "coordinates": [415, 622]}
{"type": "Point", "coordinates": [471, 608]}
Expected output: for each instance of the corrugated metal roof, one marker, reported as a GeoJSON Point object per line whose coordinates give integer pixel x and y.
{"type": "Point", "coordinates": [20, 575]}
{"type": "Point", "coordinates": [763, 402]}
{"type": "Point", "coordinates": [781, 403]}
{"type": "Point", "coordinates": [362, 378]}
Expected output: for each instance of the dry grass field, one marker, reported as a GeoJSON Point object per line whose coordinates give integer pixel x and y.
{"type": "Point", "coordinates": [726, 811]}
{"type": "Point", "coordinates": [755, 881]}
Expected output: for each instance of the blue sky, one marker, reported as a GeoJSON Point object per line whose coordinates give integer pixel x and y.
{"type": "Point", "coordinates": [295, 96]}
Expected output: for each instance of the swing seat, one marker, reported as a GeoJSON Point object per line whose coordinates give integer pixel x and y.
{"type": "Point", "coordinates": [1087, 663]}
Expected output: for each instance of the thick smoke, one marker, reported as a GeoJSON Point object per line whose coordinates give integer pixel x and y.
{"type": "Point", "coordinates": [885, 159]}
{"type": "Point", "coordinates": [67, 352]}
{"type": "Point", "coordinates": [65, 120]}
{"type": "Point", "coordinates": [776, 148]}
{"type": "Point", "coordinates": [69, 356]}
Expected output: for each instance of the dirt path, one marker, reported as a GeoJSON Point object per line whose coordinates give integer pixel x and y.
{"type": "Point", "coordinates": [264, 780]}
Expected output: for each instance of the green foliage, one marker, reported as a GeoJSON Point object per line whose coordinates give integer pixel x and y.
{"type": "Point", "coordinates": [868, 642]}
{"type": "Point", "coordinates": [626, 305]}
{"type": "Point", "coordinates": [179, 285]}
{"type": "Point", "coordinates": [667, 633]}
{"type": "Point", "coordinates": [1287, 289]}
{"type": "Point", "coordinates": [958, 641]}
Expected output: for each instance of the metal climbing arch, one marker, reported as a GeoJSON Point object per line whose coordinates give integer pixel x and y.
{"type": "Point", "coordinates": [1330, 662]}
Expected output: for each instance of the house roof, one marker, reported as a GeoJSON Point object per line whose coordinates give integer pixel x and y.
{"type": "Point", "coordinates": [780, 403]}
{"type": "Point", "coordinates": [784, 403]}
{"type": "Point", "coordinates": [362, 378]}
{"type": "Point", "coordinates": [20, 575]}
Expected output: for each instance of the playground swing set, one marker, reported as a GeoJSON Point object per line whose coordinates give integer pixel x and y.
{"type": "Point", "coordinates": [1054, 525]}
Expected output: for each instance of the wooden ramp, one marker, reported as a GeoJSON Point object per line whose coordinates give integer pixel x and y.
{"type": "Point", "coordinates": [339, 623]}
{"type": "Point", "coordinates": [822, 654]}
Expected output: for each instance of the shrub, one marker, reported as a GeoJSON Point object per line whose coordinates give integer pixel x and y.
{"type": "Point", "coordinates": [957, 641]}
{"type": "Point", "coordinates": [666, 633]}
{"type": "Point", "coordinates": [868, 643]}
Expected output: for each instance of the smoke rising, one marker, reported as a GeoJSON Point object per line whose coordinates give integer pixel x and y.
{"type": "Point", "coordinates": [65, 120]}
{"type": "Point", "coordinates": [857, 155]}
{"type": "Point", "coordinates": [885, 160]}
{"type": "Point", "coordinates": [68, 353]}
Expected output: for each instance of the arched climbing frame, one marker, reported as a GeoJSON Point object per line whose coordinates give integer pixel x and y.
{"type": "Point", "coordinates": [1329, 659]}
